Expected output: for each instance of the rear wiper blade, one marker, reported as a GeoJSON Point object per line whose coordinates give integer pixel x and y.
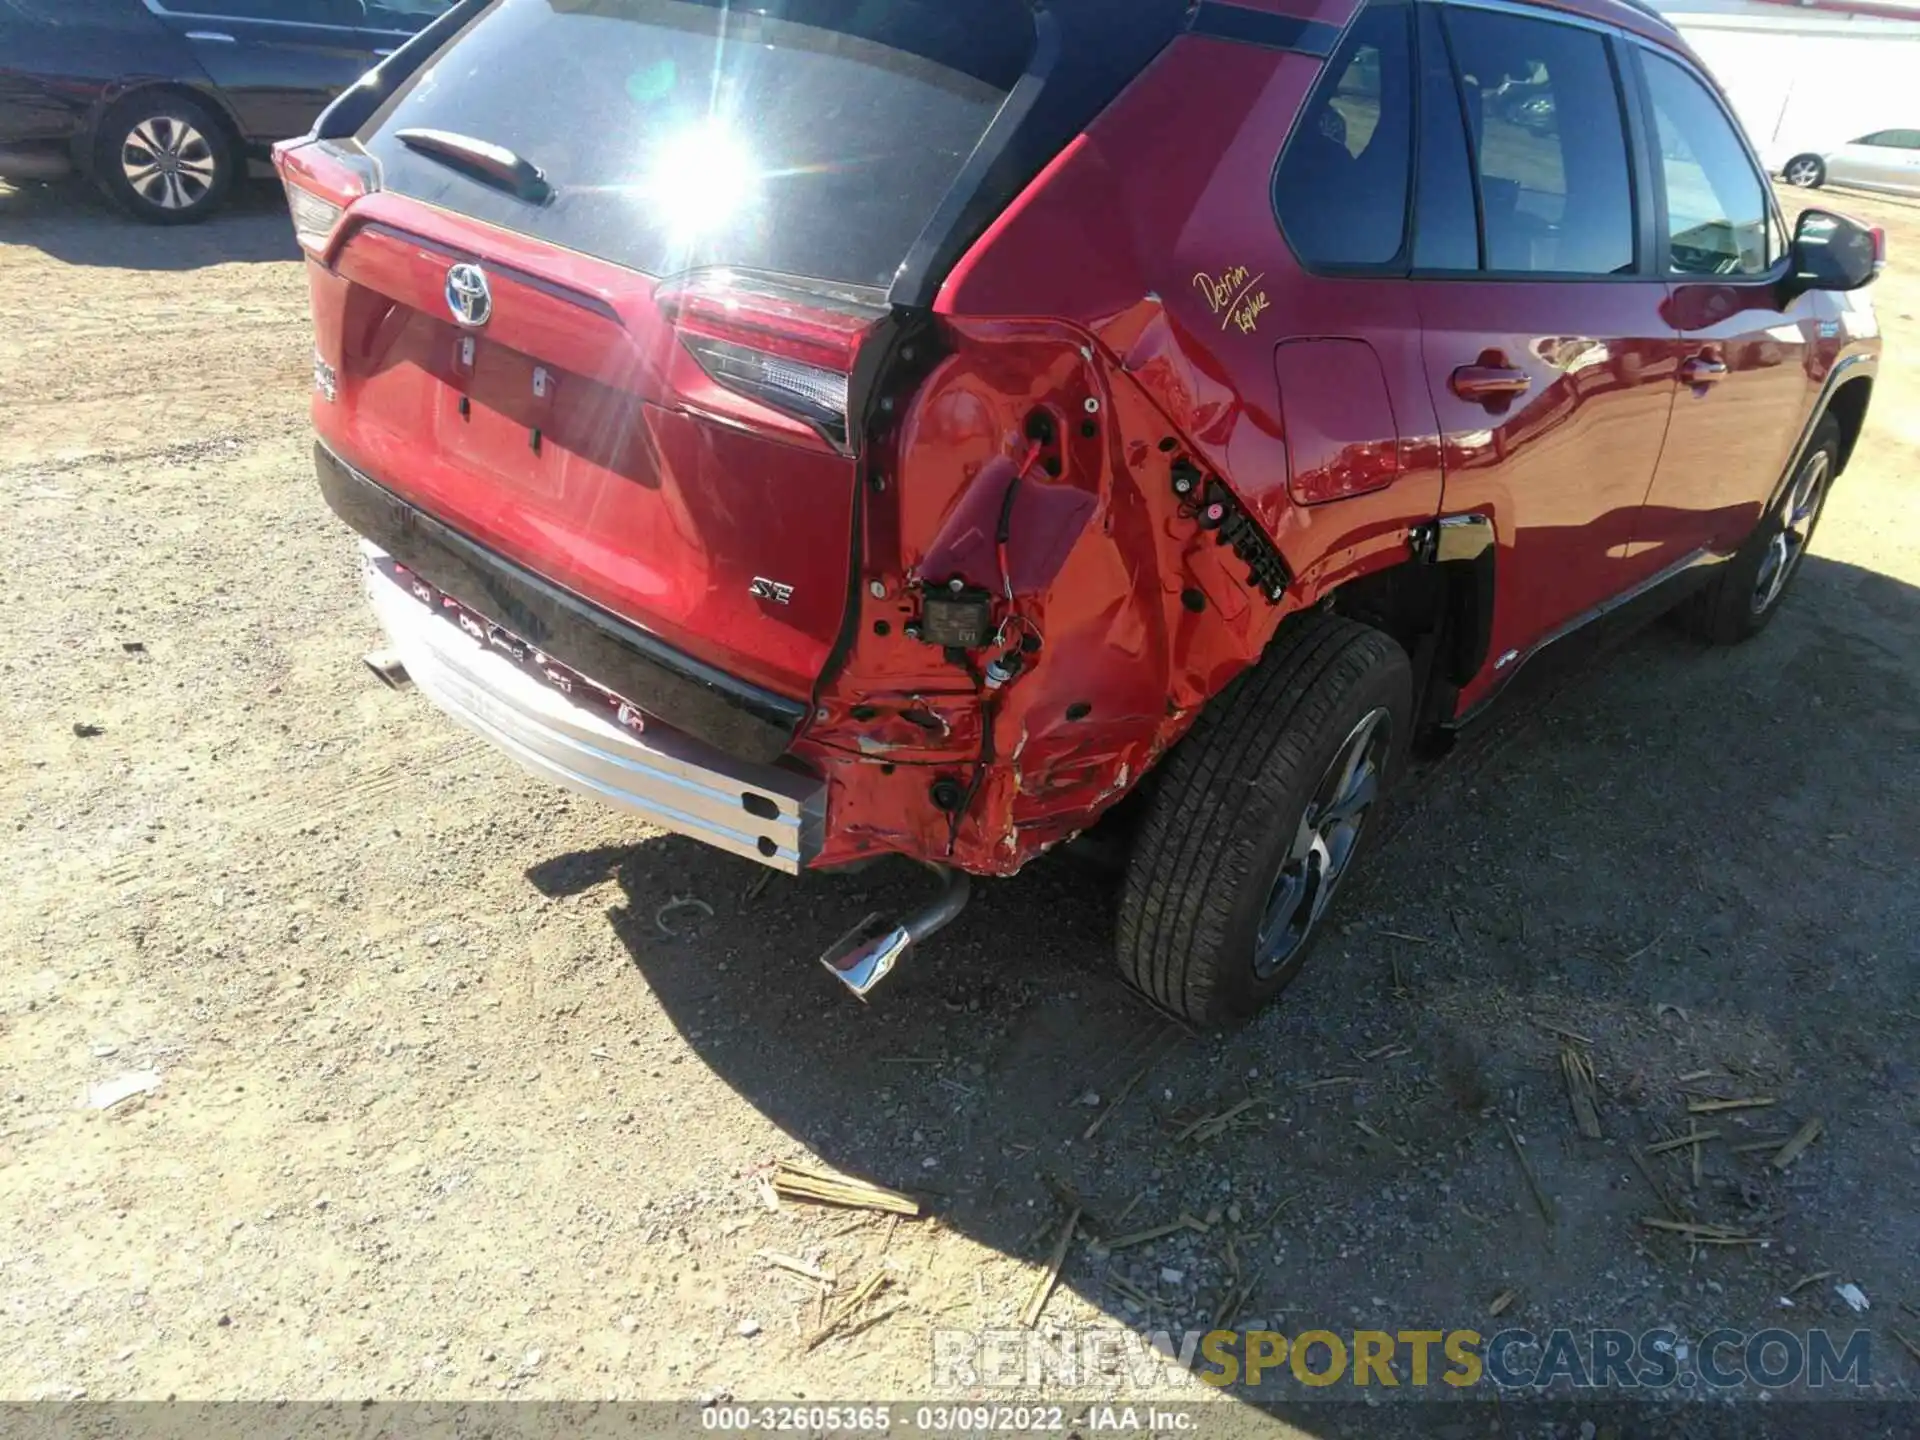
{"type": "Point", "coordinates": [493, 165]}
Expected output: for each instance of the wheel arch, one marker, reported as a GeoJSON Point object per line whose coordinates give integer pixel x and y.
{"type": "Point", "coordinates": [1436, 604]}
{"type": "Point", "coordinates": [1848, 407]}
{"type": "Point", "coordinates": [87, 140]}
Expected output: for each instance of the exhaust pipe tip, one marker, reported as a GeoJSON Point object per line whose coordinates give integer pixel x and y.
{"type": "Point", "coordinates": [389, 667]}
{"type": "Point", "coordinates": [868, 953]}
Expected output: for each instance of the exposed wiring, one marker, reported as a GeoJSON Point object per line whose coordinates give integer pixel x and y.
{"type": "Point", "coordinates": [1001, 532]}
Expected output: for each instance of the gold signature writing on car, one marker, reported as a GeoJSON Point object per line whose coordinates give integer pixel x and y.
{"type": "Point", "coordinates": [1231, 296]}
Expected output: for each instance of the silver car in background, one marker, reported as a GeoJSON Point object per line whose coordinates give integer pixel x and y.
{"type": "Point", "coordinates": [1885, 160]}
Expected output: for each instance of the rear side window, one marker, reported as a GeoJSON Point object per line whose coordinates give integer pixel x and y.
{"type": "Point", "coordinates": [1893, 139]}
{"type": "Point", "coordinates": [812, 138]}
{"type": "Point", "coordinates": [1549, 144]}
{"type": "Point", "coordinates": [1717, 208]}
{"type": "Point", "coordinates": [1341, 187]}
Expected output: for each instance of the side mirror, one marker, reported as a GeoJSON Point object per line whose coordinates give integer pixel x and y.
{"type": "Point", "coordinates": [1831, 252]}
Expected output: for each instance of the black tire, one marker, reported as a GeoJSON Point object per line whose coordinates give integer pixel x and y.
{"type": "Point", "coordinates": [164, 158]}
{"type": "Point", "coordinates": [1806, 172]}
{"type": "Point", "coordinates": [1741, 601]}
{"type": "Point", "coordinates": [1231, 805]}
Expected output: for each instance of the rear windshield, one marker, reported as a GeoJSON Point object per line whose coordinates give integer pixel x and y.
{"type": "Point", "coordinates": [811, 137]}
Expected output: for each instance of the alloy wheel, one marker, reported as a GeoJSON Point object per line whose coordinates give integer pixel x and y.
{"type": "Point", "coordinates": [168, 162]}
{"type": "Point", "coordinates": [1804, 173]}
{"type": "Point", "coordinates": [1799, 512]}
{"type": "Point", "coordinates": [1324, 844]}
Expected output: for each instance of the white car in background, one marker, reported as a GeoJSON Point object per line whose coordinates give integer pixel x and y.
{"type": "Point", "coordinates": [1884, 160]}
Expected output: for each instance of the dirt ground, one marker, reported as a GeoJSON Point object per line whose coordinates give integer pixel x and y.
{"type": "Point", "coordinates": [445, 1111]}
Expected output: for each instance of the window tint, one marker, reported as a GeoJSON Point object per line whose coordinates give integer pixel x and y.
{"type": "Point", "coordinates": [815, 141]}
{"type": "Point", "coordinates": [1446, 231]}
{"type": "Point", "coordinates": [1717, 207]}
{"type": "Point", "coordinates": [1548, 142]}
{"type": "Point", "coordinates": [1341, 189]}
{"type": "Point", "coordinates": [1893, 139]}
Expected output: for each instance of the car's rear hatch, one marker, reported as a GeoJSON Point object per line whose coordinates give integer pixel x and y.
{"type": "Point", "coordinates": [650, 411]}
{"type": "Point", "coordinates": [606, 266]}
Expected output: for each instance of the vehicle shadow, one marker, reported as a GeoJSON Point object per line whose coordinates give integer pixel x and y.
{"type": "Point", "coordinates": [73, 222]}
{"type": "Point", "coordinates": [1658, 861]}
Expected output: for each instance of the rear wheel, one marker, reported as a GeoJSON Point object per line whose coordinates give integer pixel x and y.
{"type": "Point", "coordinates": [1739, 602]}
{"type": "Point", "coordinates": [1257, 818]}
{"type": "Point", "coordinates": [164, 158]}
{"type": "Point", "coordinates": [1809, 172]}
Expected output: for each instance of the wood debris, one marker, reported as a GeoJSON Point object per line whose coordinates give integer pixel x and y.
{"type": "Point", "coordinates": [1211, 1127]}
{"type": "Point", "coordinates": [1912, 1349]}
{"type": "Point", "coordinates": [1659, 1191]}
{"type": "Point", "coordinates": [1692, 1137]}
{"type": "Point", "coordinates": [1402, 935]}
{"type": "Point", "coordinates": [1700, 1232]}
{"type": "Point", "coordinates": [1802, 1138]}
{"type": "Point", "coordinates": [1327, 1080]}
{"type": "Point", "coordinates": [1754, 1147]}
{"type": "Point", "coordinates": [1125, 1090]}
{"type": "Point", "coordinates": [1714, 1107]}
{"type": "Point", "coordinates": [1502, 1302]}
{"type": "Point", "coordinates": [803, 1182]}
{"type": "Point", "coordinates": [1814, 1279]}
{"type": "Point", "coordinates": [1566, 1034]}
{"type": "Point", "coordinates": [1581, 1094]}
{"type": "Point", "coordinates": [1234, 1301]}
{"type": "Point", "coordinates": [1141, 1237]}
{"type": "Point", "coordinates": [1051, 1276]}
{"type": "Point", "coordinates": [850, 1307]}
{"type": "Point", "coordinates": [797, 1266]}
{"type": "Point", "coordinates": [1526, 1168]}
{"type": "Point", "coordinates": [1694, 1075]}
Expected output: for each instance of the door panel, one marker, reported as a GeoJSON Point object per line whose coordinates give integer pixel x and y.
{"type": "Point", "coordinates": [1547, 355]}
{"type": "Point", "coordinates": [1744, 385]}
{"type": "Point", "coordinates": [1562, 467]}
{"type": "Point", "coordinates": [277, 61]}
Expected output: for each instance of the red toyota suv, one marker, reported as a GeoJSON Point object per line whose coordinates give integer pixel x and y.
{"type": "Point", "coordinates": [836, 429]}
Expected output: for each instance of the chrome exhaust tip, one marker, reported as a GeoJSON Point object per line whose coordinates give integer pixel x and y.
{"type": "Point", "coordinates": [867, 953]}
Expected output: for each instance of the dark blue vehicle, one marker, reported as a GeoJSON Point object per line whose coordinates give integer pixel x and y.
{"type": "Point", "coordinates": [163, 103]}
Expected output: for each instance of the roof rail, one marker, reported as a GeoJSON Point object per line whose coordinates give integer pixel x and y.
{"type": "Point", "coordinates": [1650, 11]}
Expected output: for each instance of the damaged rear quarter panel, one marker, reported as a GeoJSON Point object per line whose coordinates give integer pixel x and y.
{"type": "Point", "coordinates": [1141, 618]}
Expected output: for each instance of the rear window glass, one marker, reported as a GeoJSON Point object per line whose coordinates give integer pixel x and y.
{"type": "Point", "coordinates": [810, 137]}
{"type": "Point", "coordinates": [1341, 187]}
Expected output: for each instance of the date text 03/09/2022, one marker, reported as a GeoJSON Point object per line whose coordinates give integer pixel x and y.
{"type": "Point", "coordinates": [939, 1419]}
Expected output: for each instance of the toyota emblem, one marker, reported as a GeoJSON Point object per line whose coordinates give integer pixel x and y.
{"type": "Point", "coordinates": [469, 296]}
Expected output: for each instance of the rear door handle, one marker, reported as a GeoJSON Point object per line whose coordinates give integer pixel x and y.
{"type": "Point", "coordinates": [1489, 384]}
{"type": "Point", "coordinates": [1702, 370]}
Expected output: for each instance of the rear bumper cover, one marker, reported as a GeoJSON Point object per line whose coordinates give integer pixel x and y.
{"type": "Point", "coordinates": [742, 719]}
{"type": "Point", "coordinates": [763, 812]}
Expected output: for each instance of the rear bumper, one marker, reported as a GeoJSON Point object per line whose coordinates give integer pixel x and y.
{"type": "Point", "coordinates": [764, 812]}
{"type": "Point", "coordinates": [695, 698]}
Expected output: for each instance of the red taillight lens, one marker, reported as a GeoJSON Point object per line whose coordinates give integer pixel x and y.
{"type": "Point", "coordinates": [321, 184]}
{"type": "Point", "coordinates": [785, 346]}
{"type": "Point", "coordinates": [1879, 249]}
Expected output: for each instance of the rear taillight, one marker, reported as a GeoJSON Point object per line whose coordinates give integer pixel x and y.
{"type": "Point", "coordinates": [321, 182]}
{"type": "Point", "coordinates": [785, 346]}
{"type": "Point", "coordinates": [1879, 249]}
